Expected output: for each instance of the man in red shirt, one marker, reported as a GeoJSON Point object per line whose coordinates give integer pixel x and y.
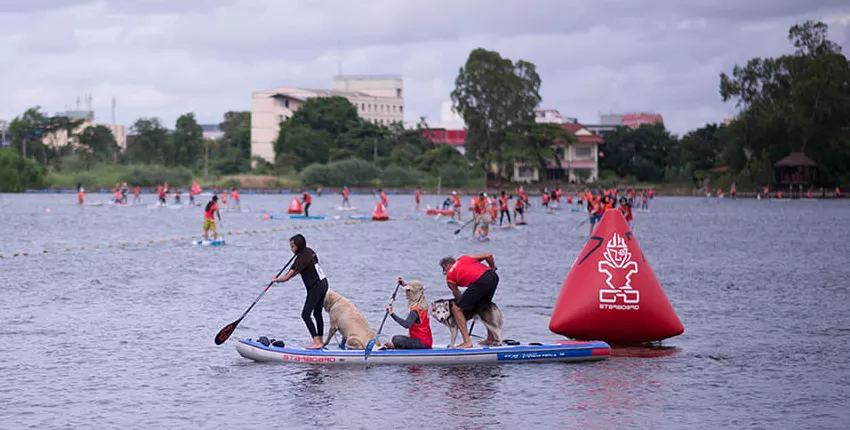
{"type": "Point", "coordinates": [480, 282]}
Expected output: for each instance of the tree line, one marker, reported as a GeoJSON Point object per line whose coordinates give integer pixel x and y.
{"type": "Point", "coordinates": [152, 147]}
{"type": "Point", "coordinates": [799, 102]}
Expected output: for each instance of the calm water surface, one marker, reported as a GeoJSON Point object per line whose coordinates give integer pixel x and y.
{"type": "Point", "coordinates": [122, 337]}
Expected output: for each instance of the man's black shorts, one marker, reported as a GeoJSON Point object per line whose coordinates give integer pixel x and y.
{"type": "Point", "coordinates": [479, 292]}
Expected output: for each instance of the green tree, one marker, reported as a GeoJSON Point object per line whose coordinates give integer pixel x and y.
{"type": "Point", "coordinates": [701, 148]}
{"type": "Point", "coordinates": [98, 144]}
{"type": "Point", "coordinates": [492, 93]}
{"type": "Point", "coordinates": [237, 131]}
{"type": "Point", "coordinates": [33, 134]}
{"type": "Point", "coordinates": [187, 142]}
{"type": "Point", "coordinates": [643, 152]}
{"type": "Point", "coordinates": [797, 102]}
{"type": "Point", "coordinates": [538, 144]}
{"type": "Point", "coordinates": [300, 145]}
{"type": "Point", "coordinates": [152, 144]}
{"type": "Point", "coordinates": [19, 174]}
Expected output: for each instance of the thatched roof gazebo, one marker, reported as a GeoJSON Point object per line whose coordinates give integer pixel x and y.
{"type": "Point", "coordinates": [796, 169]}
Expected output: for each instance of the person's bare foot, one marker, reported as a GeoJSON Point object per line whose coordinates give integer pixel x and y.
{"type": "Point", "coordinates": [465, 345]}
{"type": "Point", "coordinates": [487, 342]}
{"type": "Point", "coordinates": [314, 345]}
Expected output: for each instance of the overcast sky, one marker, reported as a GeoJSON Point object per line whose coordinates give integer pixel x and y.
{"type": "Point", "coordinates": [162, 58]}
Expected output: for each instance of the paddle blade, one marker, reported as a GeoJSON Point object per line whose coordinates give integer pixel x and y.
{"type": "Point", "coordinates": [225, 333]}
{"type": "Point", "coordinates": [369, 347]}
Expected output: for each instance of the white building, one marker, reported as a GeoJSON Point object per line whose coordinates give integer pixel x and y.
{"type": "Point", "coordinates": [379, 99]}
{"type": "Point", "coordinates": [551, 116]}
{"type": "Point", "coordinates": [578, 161]}
{"type": "Point", "coordinates": [61, 138]}
{"type": "Point", "coordinates": [4, 133]}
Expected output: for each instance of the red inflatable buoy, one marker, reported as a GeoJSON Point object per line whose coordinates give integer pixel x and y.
{"type": "Point", "coordinates": [611, 292]}
{"type": "Point", "coordinates": [295, 206]}
{"type": "Point", "coordinates": [380, 214]}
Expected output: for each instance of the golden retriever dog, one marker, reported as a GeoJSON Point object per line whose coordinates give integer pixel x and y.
{"type": "Point", "coordinates": [346, 318]}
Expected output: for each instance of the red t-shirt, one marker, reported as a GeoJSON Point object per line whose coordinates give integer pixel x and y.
{"type": "Point", "coordinates": [307, 198]}
{"type": "Point", "coordinates": [465, 271]}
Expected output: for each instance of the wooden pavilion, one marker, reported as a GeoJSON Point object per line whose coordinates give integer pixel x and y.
{"type": "Point", "coordinates": [796, 169]}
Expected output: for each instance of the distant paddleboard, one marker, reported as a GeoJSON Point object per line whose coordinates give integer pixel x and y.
{"type": "Point", "coordinates": [306, 217]}
{"type": "Point", "coordinates": [216, 242]}
{"type": "Point", "coordinates": [350, 208]}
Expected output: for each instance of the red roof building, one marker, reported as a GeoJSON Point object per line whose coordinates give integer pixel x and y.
{"type": "Point", "coordinates": [455, 138]}
{"type": "Point", "coordinates": [635, 120]}
{"type": "Point", "coordinates": [579, 161]}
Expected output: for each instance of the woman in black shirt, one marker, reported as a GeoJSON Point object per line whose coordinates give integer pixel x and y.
{"type": "Point", "coordinates": [307, 265]}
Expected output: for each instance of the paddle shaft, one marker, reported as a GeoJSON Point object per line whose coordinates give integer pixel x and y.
{"type": "Point", "coordinates": [386, 314]}
{"type": "Point", "coordinates": [225, 333]}
{"type": "Point", "coordinates": [372, 342]}
{"type": "Point", "coordinates": [464, 225]}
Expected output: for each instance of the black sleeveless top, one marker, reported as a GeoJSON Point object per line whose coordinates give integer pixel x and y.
{"type": "Point", "coordinates": [307, 265]}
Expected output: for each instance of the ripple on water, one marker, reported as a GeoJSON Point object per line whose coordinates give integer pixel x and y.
{"type": "Point", "coordinates": [122, 337]}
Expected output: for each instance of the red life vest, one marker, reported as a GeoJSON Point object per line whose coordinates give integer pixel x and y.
{"type": "Point", "coordinates": [209, 214]}
{"type": "Point", "coordinates": [422, 330]}
{"type": "Point", "coordinates": [465, 271]}
{"type": "Point", "coordinates": [307, 198]}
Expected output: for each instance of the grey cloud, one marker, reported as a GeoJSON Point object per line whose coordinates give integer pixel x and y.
{"type": "Point", "coordinates": [163, 58]}
{"type": "Point", "coordinates": [35, 6]}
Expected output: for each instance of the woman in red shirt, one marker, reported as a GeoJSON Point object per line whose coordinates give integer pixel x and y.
{"type": "Point", "coordinates": [480, 282]}
{"type": "Point", "coordinates": [417, 321]}
{"type": "Point", "coordinates": [307, 200]}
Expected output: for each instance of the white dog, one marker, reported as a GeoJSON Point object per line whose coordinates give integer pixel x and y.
{"type": "Point", "coordinates": [346, 318]}
{"type": "Point", "coordinates": [490, 315]}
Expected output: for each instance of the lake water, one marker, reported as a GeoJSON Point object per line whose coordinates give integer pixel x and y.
{"type": "Point", "coordinates": [93, 336]}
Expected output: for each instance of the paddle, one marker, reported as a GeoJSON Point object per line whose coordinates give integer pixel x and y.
{"type": "Point", "coordinates": [372, 342]}
{"type": "Point", "coordinates": [581, 223]}
{"type": "Point", "coordinates": [464, 225]}
{"type": "Point", "coordinates": [225, 333]}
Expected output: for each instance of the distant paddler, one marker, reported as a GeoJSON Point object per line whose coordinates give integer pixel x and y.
{"type": "Point", "coordinates": [345, 202]}
{"type": "Point", "coordinates": [235, 195]}
{"type": "Point", "coordinates": [210, 212]}
{"type": "Point", "coordinates": [81, 194]}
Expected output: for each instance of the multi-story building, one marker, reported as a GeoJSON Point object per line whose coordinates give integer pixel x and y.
{"type": "Point", "coordinates": [449, 130]}
{"type": "Point", "coordinates": [578, 161]}
{"type": "Point", "coordinates": [551, 116]}
{"type": "Point", "coordinates": [608, 122]}
{"type": "Point", "coordinates": [379, 99]}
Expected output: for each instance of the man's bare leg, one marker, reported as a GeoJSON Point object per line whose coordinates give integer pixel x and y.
{"type": "Point", "coordinates": [460, 320]}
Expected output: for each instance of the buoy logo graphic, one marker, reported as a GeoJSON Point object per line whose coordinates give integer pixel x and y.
{"type": "Point", "coordinates": [619, 268]}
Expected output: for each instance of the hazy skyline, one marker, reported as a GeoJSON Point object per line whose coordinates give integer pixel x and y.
{"type": "Point", "coordinates": [164, 58]}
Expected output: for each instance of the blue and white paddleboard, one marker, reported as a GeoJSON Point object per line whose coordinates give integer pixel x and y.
{"type": "Point", "coordinates": [217, 242]}
{"type": "Point", "coordinates": [306, 217]}
{"type": "Point", "coordinates": [566, 351]}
